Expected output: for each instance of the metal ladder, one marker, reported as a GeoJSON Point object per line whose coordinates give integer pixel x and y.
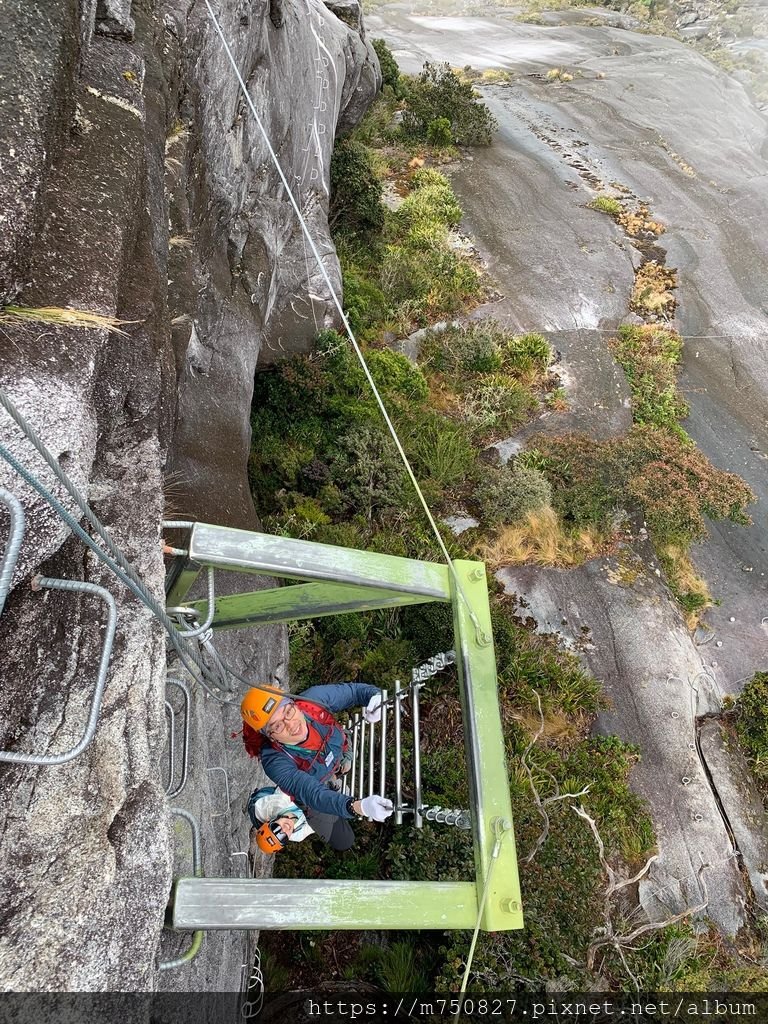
{"type": "Point", "coordinates": [370, 750]}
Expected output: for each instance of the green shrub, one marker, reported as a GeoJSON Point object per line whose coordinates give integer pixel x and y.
{"type": "Point", "coordinates": [507, 495]}
{"type": "Point", "coordinates": [390, 72]}
{"type": "Point", "coordinates": [752, 724]}
{"type": "Point", "coordinates": [364, 302]}
{"type": "Point", "coordinates": [369, 471]}
{"type": "Point", "coordinates": [438, 93]}
{"type": "Point", "coordinates": [439, 132]}
{"type": "Point", "coordinates": [431, 202]}
{"type": "Point", "coordinates": [356, 190]}
{"type": "Point", "coordinates": [395, 374]}
{"type": "Point", "coordinates": [475, 347]}
{"type": "Point", "coordinates": [650, 356]}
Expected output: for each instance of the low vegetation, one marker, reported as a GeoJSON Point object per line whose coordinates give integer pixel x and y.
{"type": "Point", "coordinates": [323, 466]}
{"type": "Point", "coordinates": [750, 716]}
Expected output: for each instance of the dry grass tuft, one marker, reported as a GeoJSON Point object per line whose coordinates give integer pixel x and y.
{"type": "Point", "coordinates": [63, 316]}
{"type": "Point", "coordinates": [691, 590]}
{"type": "Point", "coordinates": [542, 540]}
{"type": "Point", "coordinates": [653, 291]}
{"type": "Point", "coordinates": [179, 242]}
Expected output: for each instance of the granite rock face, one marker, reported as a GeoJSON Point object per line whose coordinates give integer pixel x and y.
{"type": "Point", "coordinates": [136, 184]}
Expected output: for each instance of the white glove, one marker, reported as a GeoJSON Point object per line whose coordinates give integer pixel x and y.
{"type": "Point", "coordinates": [377, 808]}
{"type": "Point", "coordinates": [372, 713]}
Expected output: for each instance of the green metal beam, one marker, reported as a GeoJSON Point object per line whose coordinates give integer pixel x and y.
{"type": "Point", "coordinates": [303, 601]}
{"type": "Point", "coordinates": [180, 580]}
{"type": "Point", "coordinates": [243, 551]}
{"type": "Point", "coordinates": [486, 759]}
{"type": "Point", "coordinates": [301, 904]}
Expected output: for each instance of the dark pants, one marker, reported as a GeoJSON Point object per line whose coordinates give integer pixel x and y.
{"type": "Point", "coordinates": [335, 831]}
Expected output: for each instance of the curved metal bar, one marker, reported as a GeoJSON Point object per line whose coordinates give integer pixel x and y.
{"type": "Point", "coordinates": [197, 868]}
{"type": "Point", "coordinates": [178, 524]}
{"type": "Point", "coordinates": [217, 768]}
{"type": "Point", "coordinates": [188, 634]}
{"type": "Point", "coordinates": [109, 639]}
{"type": "Point", "coordinates": [185, 742]}
{"type": "Point", "coordinates": [12, 547]}
{"type": "Point", "coordinates": [186, 957]}
{"type": "Point", "coordinates": [171, 745]}
{"type": "Point", "coordinates": [197, 847]}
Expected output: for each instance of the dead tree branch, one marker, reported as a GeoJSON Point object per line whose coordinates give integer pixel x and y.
{"type": "Point", "coordinates": [606, 935]}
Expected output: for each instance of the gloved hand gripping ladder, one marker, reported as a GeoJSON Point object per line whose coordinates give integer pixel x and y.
{"type": "Point", "coordinates": [361, 779]}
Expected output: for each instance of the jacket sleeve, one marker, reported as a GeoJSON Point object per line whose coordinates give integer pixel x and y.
{"type": "Point", "coordinates": [307, 792]}
{"type": "Point", "coordinates": [340, 696]}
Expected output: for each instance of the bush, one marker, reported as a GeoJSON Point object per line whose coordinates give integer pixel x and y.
{"type": "Point", "coordinates": [506, 495]}
{"type": "Point", "coordinates": [356, 190]}
{"type": "Point", "coordinates": [476, 347]}
{"type": "Point", "coordinates": [752, 724]}
{"type": "Point", "coordinates": [390, 72]}
{"type": "Point", "coordinates": [439, 132]}
{"type": "Point", "coordinates": [369, 471]}
{"type": "Point", "coordinates": [395, 374]}
{"type": "Point", "coordinates": [438, 93]}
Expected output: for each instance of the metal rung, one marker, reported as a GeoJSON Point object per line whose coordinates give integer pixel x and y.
{"type": "Point", "coordinates": [109, 638]}
{"type": "Point", "coordinates": [185, 737]}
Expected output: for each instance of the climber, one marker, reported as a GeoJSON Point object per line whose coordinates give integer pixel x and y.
{"type": "Point", "coordinates": [304, 751]}
{"type": "Point", "coordinates": [276, 820]}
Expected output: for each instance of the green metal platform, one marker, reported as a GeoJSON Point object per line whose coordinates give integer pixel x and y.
{"type": "Point", "coordinates": [331, 581]}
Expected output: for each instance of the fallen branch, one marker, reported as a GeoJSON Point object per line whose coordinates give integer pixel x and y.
{"type": "Point", "coordinates": [541, 805]}
{"type": "Point", "coordinates": [606, 934]}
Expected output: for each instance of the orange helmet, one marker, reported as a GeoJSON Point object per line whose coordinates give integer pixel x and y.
{"type": "Point", "coordinates": [270, 837]}
{"type": "Point", "coordinates": [259, 704]}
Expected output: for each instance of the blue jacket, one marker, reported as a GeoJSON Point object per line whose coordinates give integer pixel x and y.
{"type": "Point", "coordinates": [306, 787]}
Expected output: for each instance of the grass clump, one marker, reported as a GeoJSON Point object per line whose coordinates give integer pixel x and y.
{"type": "Point", "coordinates": [650, 357]}
{"type": "Point", "coordinates": [606, 204]}
{"type": "Point", "coordinates": [62, 316]}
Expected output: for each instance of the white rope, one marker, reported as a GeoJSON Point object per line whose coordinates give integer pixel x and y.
{"type": "Point", "coordinates": [501, 828]}
{"type": "Point", "coordinates": [337, 303]}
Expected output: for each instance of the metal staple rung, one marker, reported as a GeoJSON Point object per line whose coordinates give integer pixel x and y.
{"type": "Point", "coordinates": [13, 545]}
{"type": "Point", "coordinates": [171, 744]}
{"type": "Point", "coordinates": [76, 586]}
{"type": "Point", "coordinates": [185, 739]}
{"type": "Point", "coordinates": [218, 768]}
{"type": "Point", "coordinates": [197, 868]}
